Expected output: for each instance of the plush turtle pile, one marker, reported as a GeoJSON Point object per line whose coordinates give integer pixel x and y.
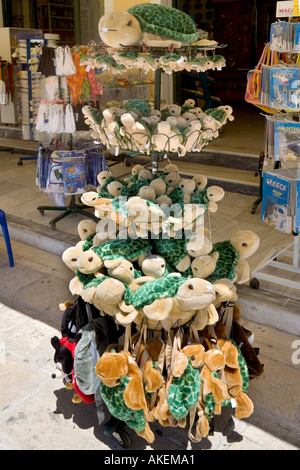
{"type": "Point", "coordinates": [185, 362]}
{"type": "Point", "coordinates": [169, 345]}
{"type": "Point", "coordinates": [200, 59]}
{"type": "Point", "coordinates": [151, 36]}
{"type": "Point", "coordinates": [137, 127]}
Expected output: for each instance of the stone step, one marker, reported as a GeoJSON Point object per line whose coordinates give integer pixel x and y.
{"type": "Point", "coordinates": [232, 179]}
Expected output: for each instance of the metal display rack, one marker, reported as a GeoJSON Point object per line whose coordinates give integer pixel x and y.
{"type": "Point", "coordinates": [290, 253]}
{"type": "Point", "coordinates": [293, 266]}
{"type": "Point", "coordinates": [285, 259]}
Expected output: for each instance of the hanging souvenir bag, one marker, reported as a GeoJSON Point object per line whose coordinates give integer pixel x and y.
{"type": "Point", "coordinates": [253, 90]}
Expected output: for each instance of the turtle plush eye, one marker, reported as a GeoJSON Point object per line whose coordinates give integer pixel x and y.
{"type": "Point", "coordinates": [190, 286]}
{"type": "Point", "coordinates": [74, 259]}
{"type": "Point", "coordinates": [193, 358]}
{"type": "Point", "coordinates": [244, 244]}
{"type": "Point", "coordinates": [90, 259]}
{"type": "Point", "coordinates": [129, 23]}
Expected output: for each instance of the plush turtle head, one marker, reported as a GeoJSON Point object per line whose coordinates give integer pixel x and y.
{"type": "Point", "coordinates": [245, 242]}
{"type": "Point", "coordinates": [154, 266]}
{"type": "Point", "coordinates": [71, 256]}
{"type": "Point", "coordinates": [201, 181]}
{"type": "Point", "coordinates": [120, 28]}
{"type": "Point", "coordinates": [120, 269]}
{"type": "Point", "coordinates": [136, 169]}
{"type": "Point", "coordinates": [225, 291]}
{"type": "Point", "coordinates": [196, 354]}
{"type": "Point", "coordinates": [86, 228]}
{"type": "Point", "coordinates": [198, 246]}
{"type": "Point", "coordinates": [115, 188]}
{"type": "Point", "coordinates": [89, 262]}
{"type": "Point", "coordinates": [111, 367]}
{"type": "Point", "coordinates": [205, 265]}
{"type": "Point", "coordinates": [215, 193]}
{"type": "Point", "coordinates": [195, 294]}
{"type": "Point", "coordinates": [103, 176]}
{"type": "Point", "coordinates": [110, 291]}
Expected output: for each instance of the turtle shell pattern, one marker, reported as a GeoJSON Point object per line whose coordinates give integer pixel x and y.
{"type": "Point", "coordinates": [184, 392]}
{"type": "Point", "coordinates": [200, 197]}
{"type": "Point", "coordinates": [113, 397]}
{"type": "Point", "coordinates": [227, 262]}
{"type": "Point", "coordinates": [157, 289]}
{"type": "Point", "coordinates": [140, 106]}
{"type": "Point", "coordinates": [172, 249]}
{"type": "Point", "coordinates": [165, 21]}
{"type": "Point", "coordinates": [218, 114]}
{"type": "Point", "coordinates": [126, 249]}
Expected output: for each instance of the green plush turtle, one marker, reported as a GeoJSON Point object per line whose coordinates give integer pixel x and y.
{"type": "Point", "coordinates": [179, 251]}
{"type": "Point", "coordinates": [233, 254]}
{"type": "Point", "coordinates": [200, 197]}
{"type": "Point", "coordinates": [140, 106]}
{"type": "Point", "coordinates": [241, 389]}
{"type": "Point", "coordinates": [157, 289]}
{"type": "Point", "coordinates": [184, 391]}
{"type": "Point", "coordinates": [104, 193]}
{"type": "Point", "coordinates": [104, 61]}
{"type": "Point", "coordinates": [122, 390]}
{"type": "Point", "coordinates": [227, 262]}
{"type": "Point", "coordinates": [147, 23]}
{"type": "Point", "coordinates": [127, 249]}
{"type": "Point", "coordinates": [217, 113]}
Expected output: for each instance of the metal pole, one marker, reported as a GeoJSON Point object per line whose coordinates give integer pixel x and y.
{"type": "Point", "coordinates": [157, 89]}
{"type": "Point", "coordinates": [296, 252]}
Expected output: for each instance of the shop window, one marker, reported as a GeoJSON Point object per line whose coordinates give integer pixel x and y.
{"type": "Point", "coordinates": [90, 14]}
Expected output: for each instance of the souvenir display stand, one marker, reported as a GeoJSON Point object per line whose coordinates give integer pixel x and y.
{"type": "Point", "coordinates": [66, 167]}
{"type": "Point", "coordinates": [67, 171]}
{"type": "Point", "coordinates": [281, 210]}
{"type": "Point", "coordinates": [274, 88]}
{"type": "Point", "coordinates": [154, 338]}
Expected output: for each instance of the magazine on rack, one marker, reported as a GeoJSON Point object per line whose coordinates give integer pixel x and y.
{"type": "Point", "coordinates": [276, 204]}
{"type": "Point", "coordinates": [287, 141]}
{"type": "Point", "coordinates": [285, 88]}
{"type": "Point", "coordinates": [281, 37]}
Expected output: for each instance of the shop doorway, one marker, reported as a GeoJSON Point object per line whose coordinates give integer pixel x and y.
{"type": "Point", "coordinates": [243, 26]}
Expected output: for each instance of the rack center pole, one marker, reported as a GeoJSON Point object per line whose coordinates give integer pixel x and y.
{"type": "Point", "coordinates": [157, 99]}
{"type": "Point", "coordinates": [157, 89]}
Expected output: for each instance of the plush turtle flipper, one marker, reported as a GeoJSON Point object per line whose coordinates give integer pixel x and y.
{"type": "Point", "coordinates": [125, 318]}
{"type": "Point", "coordinates": [243, 271]}
{"type": "Point", "coordinates": [147, 434]}
{"type": "Point", "coordinates": [159, 309]}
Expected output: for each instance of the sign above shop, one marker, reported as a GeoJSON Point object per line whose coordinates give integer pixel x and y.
{"type": "Point", "coordinates": [286, 9]}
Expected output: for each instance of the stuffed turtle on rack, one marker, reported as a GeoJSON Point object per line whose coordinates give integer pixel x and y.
{"type": "Point", "coordinates": [150, 24]}
{"type": "Point", "coordinates": [233, 254]}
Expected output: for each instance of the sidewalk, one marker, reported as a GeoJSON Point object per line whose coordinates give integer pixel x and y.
{"type": "Point", "coordinates": [36, 412]}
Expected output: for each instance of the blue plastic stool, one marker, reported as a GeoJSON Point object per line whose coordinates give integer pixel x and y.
{"type": "Point", "coordinates": [5, 232]}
